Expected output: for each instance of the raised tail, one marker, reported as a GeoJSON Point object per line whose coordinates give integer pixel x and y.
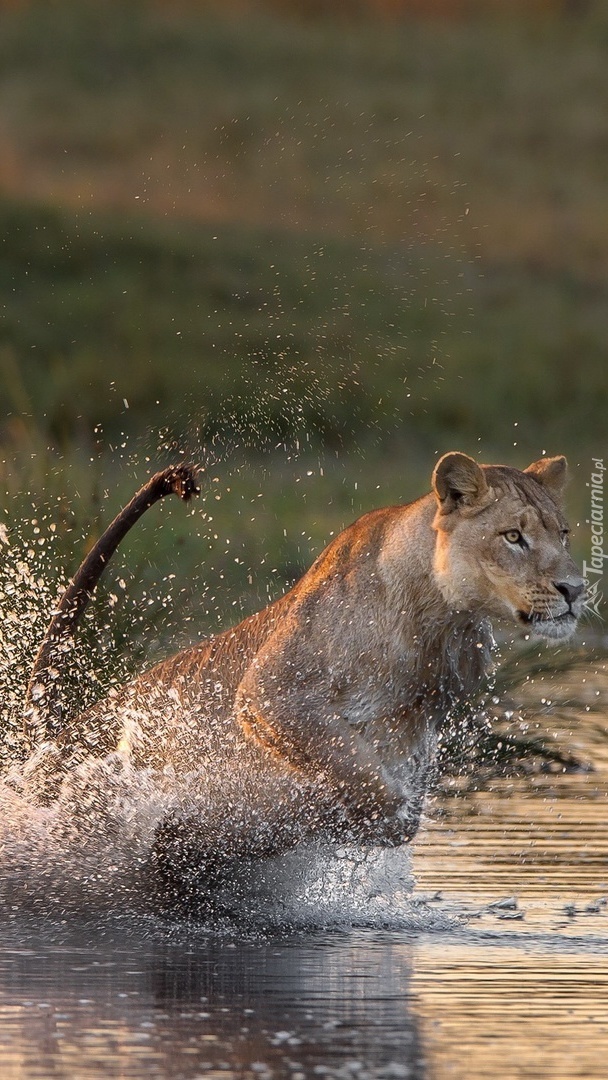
{"type": "Point", "coordinates": [42, 714]}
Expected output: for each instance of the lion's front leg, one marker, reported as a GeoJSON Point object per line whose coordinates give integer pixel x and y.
{"type": "Point", "coordinates": [390, 830]}
{"type": "Point", "coordinates": [203, 850]}
{"type": "Point", "coordinates": [184, 871]}
{"type": "Point", "coordinates": [361, 801]}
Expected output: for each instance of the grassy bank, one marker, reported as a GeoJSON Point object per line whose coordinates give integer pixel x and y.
{"type": "Point", "coordinates": [261, 336]}
{"type": "Point", "coordinates": [363, 128]}
{"type": "Point", "coordinates": [315, 255]}
{"type": "Point", "coordinates": [263, 227]}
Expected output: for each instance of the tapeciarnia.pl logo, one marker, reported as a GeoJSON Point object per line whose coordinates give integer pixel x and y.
{"type": "Point", "coordinates": [593, 570]}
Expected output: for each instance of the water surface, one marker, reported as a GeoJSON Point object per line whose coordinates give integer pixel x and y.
{"type": "Point", "coordinates": [495, 963]}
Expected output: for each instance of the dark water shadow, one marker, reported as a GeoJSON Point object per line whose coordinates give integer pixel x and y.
{"type": "Point", "coordinates": [122, 1000]}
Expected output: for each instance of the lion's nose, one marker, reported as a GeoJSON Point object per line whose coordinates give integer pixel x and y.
{"type": "Point", "coordinates": [568, 591]}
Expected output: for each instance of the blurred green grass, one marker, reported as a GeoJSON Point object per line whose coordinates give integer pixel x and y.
{"type": "Point", "coordinates": [243, 334]}
{"type": "Point", "coordinates": [303, 246]}
{"type": "Point", "coordinates": [362, 127]}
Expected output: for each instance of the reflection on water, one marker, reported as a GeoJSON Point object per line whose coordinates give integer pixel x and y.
{"type": "Point", "coordinates": [117, 1001]}
{"type": "Point", "coordinates": [489, 1009]}
{"type": "Point", "coordinates": [523, 990]}
{"type": "Point", "coordinates": [497, 966]}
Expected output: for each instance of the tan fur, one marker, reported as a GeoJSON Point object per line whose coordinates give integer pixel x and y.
{"type": "Point", "coordinates": [343, 684]}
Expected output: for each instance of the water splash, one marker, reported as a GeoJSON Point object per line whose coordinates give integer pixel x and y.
{"type": "Point", "coordinates": [89, 854]}
{"type": "Point", "coordinates": [88, 851]}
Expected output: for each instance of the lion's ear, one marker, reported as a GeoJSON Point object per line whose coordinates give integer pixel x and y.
{"type": "Point", "coordinates": [458, 481]}
{"type": "Point", "coordinates": [552, 473]}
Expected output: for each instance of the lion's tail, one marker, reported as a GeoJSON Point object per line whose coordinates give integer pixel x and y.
{"type": "Point", "coordinates": [42, 714]}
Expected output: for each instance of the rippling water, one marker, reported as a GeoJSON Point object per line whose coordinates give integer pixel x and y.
{"type": "Point", "coordinates": [522, 989]}
{"type": "Point", "coordinates": [495, 963]}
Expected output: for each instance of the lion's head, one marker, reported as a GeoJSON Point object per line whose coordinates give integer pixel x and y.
{"type": "Point", "coordinates": [502, 543]}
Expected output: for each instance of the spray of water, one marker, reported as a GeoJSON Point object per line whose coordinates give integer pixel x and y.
{"type": "Point", "coordinates": [91, 845]}
{"type": "Point", "coordinates": [88, 850]}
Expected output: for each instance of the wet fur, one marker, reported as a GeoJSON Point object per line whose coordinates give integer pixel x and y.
{"type": "Point", "coordinates": [333, 697]}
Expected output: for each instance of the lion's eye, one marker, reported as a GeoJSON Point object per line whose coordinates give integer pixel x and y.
{"type": "Point", "coordinates": [513, 536]}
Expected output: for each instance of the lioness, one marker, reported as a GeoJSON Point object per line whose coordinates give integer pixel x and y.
{"type": "Point", "coordinates": [327, 704]}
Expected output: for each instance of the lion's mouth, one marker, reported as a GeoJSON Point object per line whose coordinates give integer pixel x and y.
{"type": "Point", "coordinates": [533, 618]}
{"type": "Point", "coordinates": [548, 625]}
